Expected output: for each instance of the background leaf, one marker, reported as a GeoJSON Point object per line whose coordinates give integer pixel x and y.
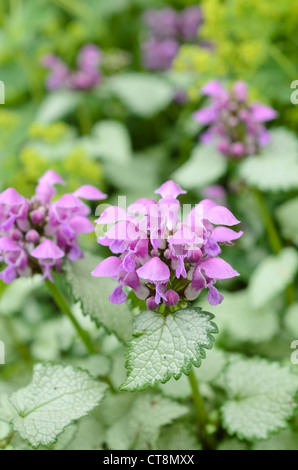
{"type": "Point", "coordinates": [56, 396]}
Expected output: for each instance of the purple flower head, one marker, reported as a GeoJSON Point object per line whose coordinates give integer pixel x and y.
{"type": "Point", "coordinates": [89, 57]}
{"type": "Point", "coordinates": [37, 234]}
{"type": "Point", "coordinates": [163, 258]}
{"type": "Point", "coordinates": [237, 124]}
{"type": "Point", "coordinates": [189, 22]}
{"type": "Point", "coordinates": [86, 76]}
{"type": "Point", "coordinates": [162, 23]}
{"type": "Point", "coordinates": [158, 54]}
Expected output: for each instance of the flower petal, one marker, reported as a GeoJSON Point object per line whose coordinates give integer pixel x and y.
{"type": "Point", "coordinates": [109, 267]}
{"type": "Point", "coordinates": [224, 234]}
{"type": "Point", "coordinates": [47, 250]}
{"type": "Point", "coordinates": [170, 189]}
{"type": "Point", "coordinates": [217, 268]}
{"type": "Point", "coordinates": [89, 192]}
{"type": "Point", "coordinates": [154, 270]}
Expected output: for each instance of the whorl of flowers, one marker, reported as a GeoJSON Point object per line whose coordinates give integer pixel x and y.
{"type": "Point", "coordinates": [233, 121]}
{"type": "Point", "coordinates": [37, 234]}
{"type": "Point", "coordinates": [86, 76]}
{"type": "Point", "coordinates": [162, 258]}
{"type": "Point", "coordinates": [168, 29]}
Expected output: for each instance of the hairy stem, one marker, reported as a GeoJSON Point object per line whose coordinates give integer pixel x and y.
{"type": "Point", "coordinates": [63, 305]}
{"type": "Point", "coordinates": [201, 413]}
{"type": "Point", "coordinates": [273, 236]}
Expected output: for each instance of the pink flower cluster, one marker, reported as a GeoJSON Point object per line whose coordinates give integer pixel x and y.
{"type": "Point", "coordinates": [86, 76]}
{"type": "Point", "coordinates": [37, 235]}
{"type": "Point", "coordinates": [168, 29]}
{"type": "Point", "coordinates": [162, 258]}
{"type": "Point", "coordinates": [237, 124]}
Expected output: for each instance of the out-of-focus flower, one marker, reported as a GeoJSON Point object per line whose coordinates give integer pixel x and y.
{"type": "Point", "coordinates": [162, 23]}
{"type": "Point", "coordinates": [236, 123]}
{"type": "Point", "coordinates": [189, 22]}
{"type": "Point", "coordinates": [162, 258]}
{"type": "Point", "coordinates": [159, 54]}
{"type": "Point", "coordinates": [86, 76]}
{"type": "Point", "coordinates": [216, 192]}
{"type": "Point", "coordinates": [168, 30]}
{"type": "Point", "coordinates": [37, 235]}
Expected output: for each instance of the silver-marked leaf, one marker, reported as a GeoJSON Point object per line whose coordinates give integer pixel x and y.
{"type": "Point", "coordinates": [285, 440]}
{"type": "Point", "coordinates": [276, 169]}
{"type": "Point", "coordinates": [291, 320]}
{"type": "Point", "coordinates": [167, 346]}
{"type": "Point", "coordinates": [240, 321]}
{"type": "Point", "coordinates": [93, 293]}
{"type": "Point", "coordinates": [204, 167]}
{"type": "Point", "coordinates": [272, 276]}
{"type": "Point", "coordinates": [287, 215]}
{"type": "Point", "coordinates": [56, 396]}
{"type": "Point", "coordinates": [178, 437]}
{"type": "Point", "coordinates": [57, 105]}
{"type": "Point", "coordinates": [262, 398]}
{"type": "Point", "coordinates": [138, 425]}
{"type": "Point", "coordinates": [144, 94]}
{"type": "Point", "coordinates": [109, 140]}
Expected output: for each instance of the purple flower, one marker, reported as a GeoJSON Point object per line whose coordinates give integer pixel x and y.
{"type": "Point", "coordinates": [167, 30]}
{"type": "Point", "coordinates": [37, 235]}
{"type": "Point", "coordinates": [159, 54]}
{"type": "Point", "coordinates": [236, 123]}
{"type": "Point", "coordinates": [189, 22]}
{"type": "Point", "coordinates": [162, 23]}
{"type": "Point", "coordinates": [85, 77]}
{"type": "Point", "coordinates": [162, 258]}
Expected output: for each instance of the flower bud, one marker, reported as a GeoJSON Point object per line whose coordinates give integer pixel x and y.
{"type": "Point", "coordinates": [16, 235]}
{"type": "Point", "coordinates": [151, 304]}
{"type": "Point", "coordinates": [38, 215]}
{"type": "Point", "coordinates": [32, 236]}
{"type": "Point", "coordinates": [172, 298]}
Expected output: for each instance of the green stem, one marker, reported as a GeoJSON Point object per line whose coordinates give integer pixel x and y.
{"type": "Point", "coordinates": [201, 413]}
{"type": "Point", "coordinates": [273, 237]}
{"type": "Point", "coordinates": [282, 60]}
{"type": "Point", "coordinates": [63, 305]}
{"type": "Point", "coordinates": [84, 119]}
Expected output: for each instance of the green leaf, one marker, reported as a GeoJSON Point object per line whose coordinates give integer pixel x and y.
{"type": "Point", "coordinates": [51, 338]}
{"type": "Point", "coordinates": [276, 169]}
{"type": "Point", "coordinates": [166, 346]}
{"type": "Point", "coordinates": [127, 176]}
{"type": "Point", "coordinates": [97, 365]}
{"type": "Point", "coordinates": [139, 424]}
{"type": "Point", "coordinates": [56, 396]}
{"type": "Point", "coordinates": [204, 167]}
{"type": "Point", "coordinates": [4, 429]}
{"type": "Point", "coordinates": [232, 444]}
{"type": "Point", "coordinates": [272, 276]}
{"type": "Point", "coordinates": [142, 93]}
{"type": "Point", "coordinates": [93, 293]}
{"type": "Point", "coordinates": [178, 437]}
{"type": "Point", "coordinates": [57, 105]}
{"type": "Point", "coordinates": [291, 320]}
{"type": "Point", "coordinates": [288, 220]}
{"type": "Point", "coordinates": [16, 293]}
{"type": "Point", "coordinates": [89, 435]}
{"type": "Point", "coordinates": [241, 321]}
{"type": "Point", "coordinates": [110, 140]}
{"type": "Point", "coordinates": [211, 368]}
{"type": "Point", "coordinates": [285, 440]}
{"type": "Point", "coordinates": [261, 398]}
